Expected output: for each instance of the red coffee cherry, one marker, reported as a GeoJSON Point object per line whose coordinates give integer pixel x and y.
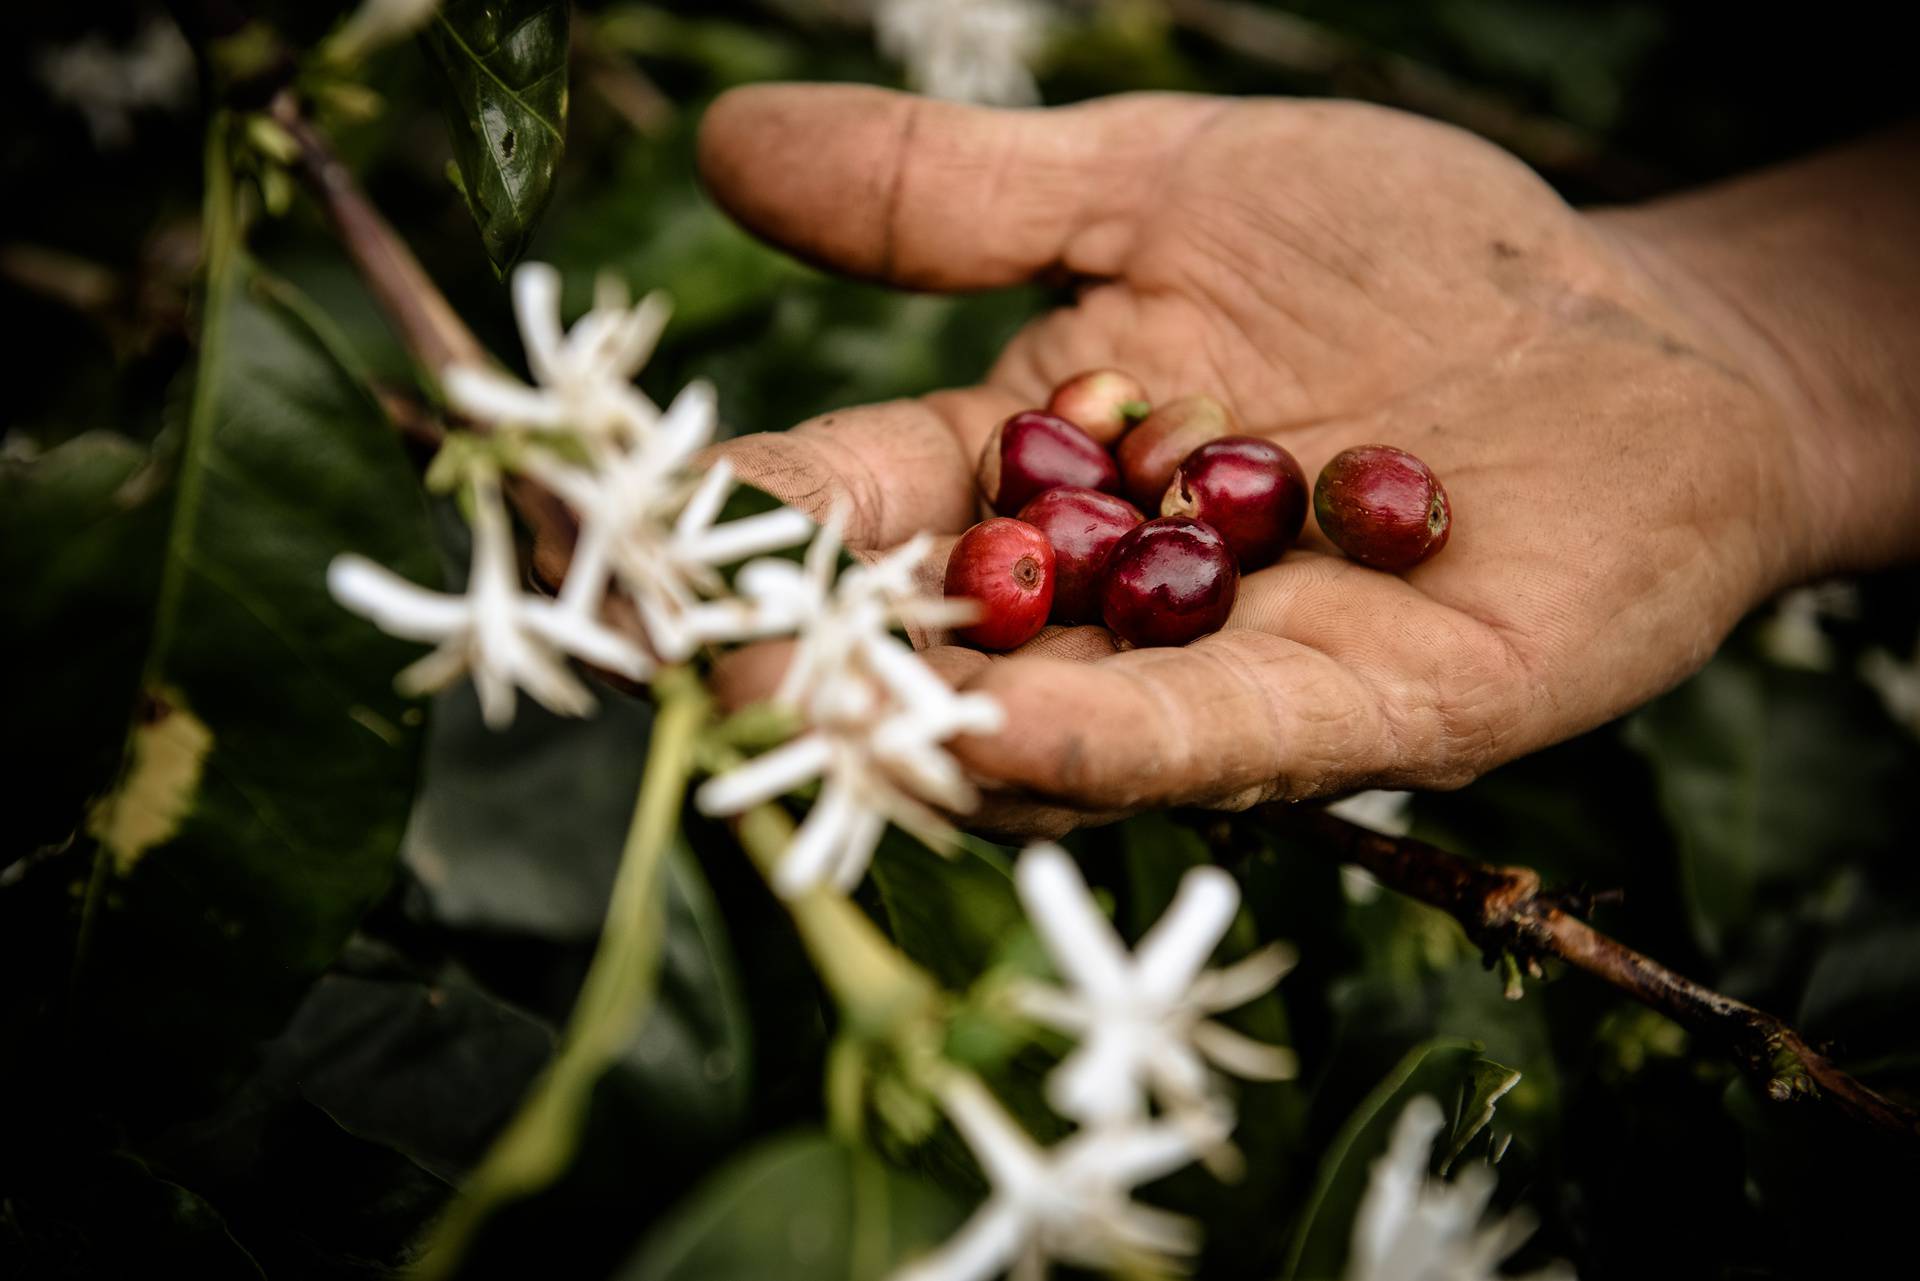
{"type": "Point", "coordinates": [1383, 507]}
{"type": "Point", "coordinates": [1149, 453]}
{"type": "Point", "coordinates": [1249, 489]}
{"type": "Point", "coordinates": [1007, 567]}
{"type": "Point", "coordinates": [1083, 525]}
{"type": "Point", "coordinates": [1033, 452]}
{"type": "Point", "coordinates": [1101, 402]}
{"type": "Point", "coordinates": [1170, 581]}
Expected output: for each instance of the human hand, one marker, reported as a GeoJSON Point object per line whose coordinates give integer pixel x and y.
{"type": "Point", "coordinates": [1624, 475]}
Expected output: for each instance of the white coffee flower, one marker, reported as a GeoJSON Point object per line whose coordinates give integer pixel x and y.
{"type": "Point", "coordinates": [647, 523]}
{"type": "Point", "coordinates": [966, 50]}
{"type": "Point", "coordinates": [108, 85]}
{"type": "Point", "coordinates": [1413, 1227]}
{"type": "Point", "coordinates": [875, 717]}
{"type": "Point", "coordinates": [505, 637]}
{"type": "Point", "coordinates": [1142, 1018]}
{"type": "Point", "coordinates": [583, 377]}
{"type": "Point", "coordinates": [1070, 1203]}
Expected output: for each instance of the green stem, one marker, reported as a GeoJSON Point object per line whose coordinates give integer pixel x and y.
{"type": "Point", "coordinates": [537, 1144]}
{"type": "Point", "coordinates": [877, 987]}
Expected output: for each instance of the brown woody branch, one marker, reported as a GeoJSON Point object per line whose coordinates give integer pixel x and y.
{"type": "Point", "coordinates": [418, 311]}
{"type": "Point", "coordinates": [420, 314]}
{"type": "Point", "coordinates": [1506, 912]}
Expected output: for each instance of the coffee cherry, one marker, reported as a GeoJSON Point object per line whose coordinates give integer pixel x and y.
{"type": "Point", "coordinates": [1033, 452]}
{"type": "Point", "coordinates": [1083, 525]}
{"type": "Point", "coordinates": [1101, 402]}
{"type": "Point", "coordinates": [1170, 581]}
{"type": "Point", "coordinates": [1006, 566]}
{"type": "Point", "coordinates": [1382, 506]}
{"type": "Point", "coordinates": [1250, 490]}
{"type": "Point", "coordinates": [1149, 453]}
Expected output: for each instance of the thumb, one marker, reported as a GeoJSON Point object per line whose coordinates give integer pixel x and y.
{"type": "Point", "coordinates": [937, 195]}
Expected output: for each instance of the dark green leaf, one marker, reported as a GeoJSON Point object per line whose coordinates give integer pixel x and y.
{"type": "Point", "coordinates": [519, 830]}
{"type": "Point", "coordinates": [953, 914]}
{"type": "Point", "coordinates": [1776, 782]}
{"type": "Point", "coordinates": [801, 1208]}
{"type": "Point", "coordinates": [504, 66]}
{"type": "Point", "coordinates": [81, 532]}
{"type": "Point", "coordinates": [270, 765]}
{"type": "Point", "coordinates": [113, 1217]}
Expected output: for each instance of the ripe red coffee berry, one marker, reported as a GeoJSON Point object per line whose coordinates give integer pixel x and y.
{"type": "Point", "coordinates": [1170, 581]}
{"type": "Point", "coordinates": [1033, 452]}
{"type": "Point", "coordinates": [1083, 525]}
{"type": "Point", "coordinates": [1101, 402]}
{"type": "Point", "coordinates": [1382, 506]}
{"type": "Point", "coordinates": [1149, 453]}
{"type": "Point", "coordinates": [1251, 490]}
{"type": "Point", "coordinates": [1006, 566]}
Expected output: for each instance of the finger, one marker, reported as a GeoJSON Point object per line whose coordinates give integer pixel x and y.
{"type": "Point", "coordinates": [904, 467]}
{"type": "Point", "coordinates": [1231, 720]}
{"type": "Point", "coordinates": [939, 195]}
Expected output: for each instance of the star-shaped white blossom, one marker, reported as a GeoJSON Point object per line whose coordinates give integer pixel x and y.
{"type": "Point", "coordinates": [648, 524]}
{"type": "Point", "coordinates": [966, 50]}
{"type": "Point", "coordinates": [875, 716]}
{"type": "Point", "coordinates": [505, 637]}
{"type": "Point", "coordinates": [1141, 1018]}
{"type": "Point", "coordinates": [584, 377]}
{"type": "Point", "coordinates": [1412, 1227]}
{"type": "Point", "coordinates": [1070, 1203]}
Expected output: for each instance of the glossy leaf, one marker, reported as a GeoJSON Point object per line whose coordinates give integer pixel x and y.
{"type": "Point", "coordinates": [800, 1208]}
{"type": "Point", "coordinates": [270, 764]}
{"type": "Point", "coordinates": [504, 70]}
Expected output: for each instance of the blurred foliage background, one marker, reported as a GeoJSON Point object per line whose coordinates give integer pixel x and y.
{"type": "Point", "coordinates": [1752, 817]}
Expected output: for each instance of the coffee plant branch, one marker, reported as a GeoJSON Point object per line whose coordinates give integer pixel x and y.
{"type": "Point", "coordinates": [1512, 918]}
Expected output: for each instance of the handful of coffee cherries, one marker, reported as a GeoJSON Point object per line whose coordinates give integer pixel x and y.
{"type": "Point", "coordinates": [1069, 547]}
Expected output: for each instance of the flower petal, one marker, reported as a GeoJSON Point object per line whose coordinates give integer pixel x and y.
{"type": "Point", "coordinates": [536, 305]}
{"type": "Point", "coordinates": [1172, 952]}
{"type": "Point", "coordinates": [1012, 1161]}
{"type": "Point", "coordinates": [392, 603]}
{"type": "Point", "coordinates": [750, 536]}
{"type": "Point", "coordinates": [982, 1249]}
{"type": "Point", "coordinates": [765, 777]}
{"type": "Point", "coordinates": [1242, 1055]}
{"type": "Point", "coordinates": [1251, 976]}
{"type": "Point", "coordinates": [1078, 936]}
{"type": "Point", "coordinates": [492, 397]}
{"type": "Point", "coordinates": [820, 840]}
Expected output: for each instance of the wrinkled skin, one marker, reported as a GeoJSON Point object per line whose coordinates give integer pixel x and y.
{"type": "Point", "coordinates": [1623, 474]}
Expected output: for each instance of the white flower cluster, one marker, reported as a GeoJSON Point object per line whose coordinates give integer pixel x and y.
{"type": "Point", "coordinates": [109, 85]}
{"type": "Point", "coordinates": [874, 716]}
{"type": "Point", "coordinates": [1145, 1038]}
{"type": "Point", "coordinates": [1412, 1227]}
{"type": "Point", "coordinates": [966, 50]}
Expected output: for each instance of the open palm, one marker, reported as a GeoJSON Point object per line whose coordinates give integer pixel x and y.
{"type": "Point", "coordinates": [1339, 275]}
